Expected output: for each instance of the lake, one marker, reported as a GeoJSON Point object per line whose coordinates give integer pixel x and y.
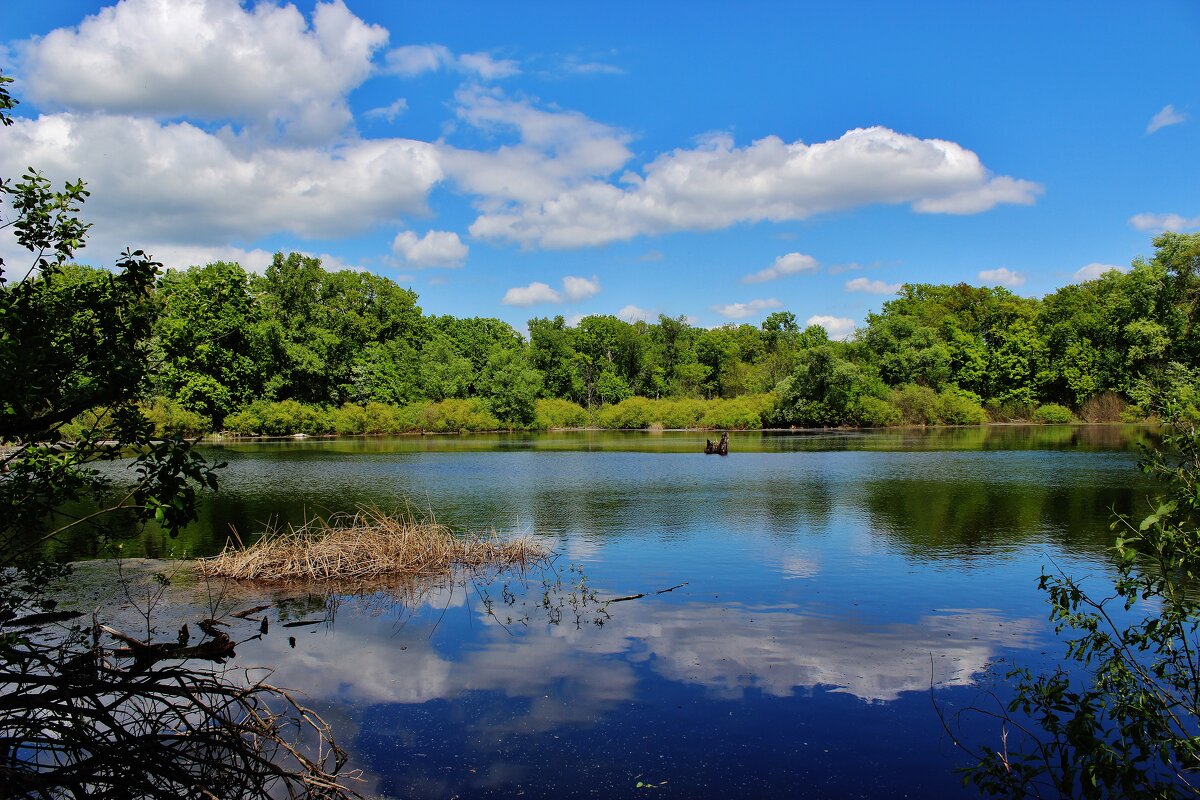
{"type": "Point", "coordinates": [819, 584]}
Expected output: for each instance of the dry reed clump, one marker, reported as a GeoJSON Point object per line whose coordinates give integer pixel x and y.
{"type": "Point", "coordinates": [368, 544]}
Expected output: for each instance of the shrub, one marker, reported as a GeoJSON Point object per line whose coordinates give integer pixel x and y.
{"type": "Point", "coordinates": [918, 405]}
{"type": "Point", "coordinates": [681, 413]}
{"type": "Point", "coordinates": [1053, 414]}
{"type": "Point", "coordinates": [171, 418]}
{"type": "Point", "coordinates": [740, 413]}
{"type": "Point", "coordinates": [1102, 407]}
{"type": "Point", "coordinates": [457, 415]}
{"type": "Point", "coordinates": [349, 420]}
{"type": "Point", "coordinates": [1009, 411]}
{"type": "Point", "coordinates": [280, 418]}
{"type": "Point", "coordinates": [630, 414]}
{"type": "Point", "coordinates": [873, 412]}
{"type": "Point", "coordinates": [960, 407]}
{"type": "Point", "coordinates": [553, 413]}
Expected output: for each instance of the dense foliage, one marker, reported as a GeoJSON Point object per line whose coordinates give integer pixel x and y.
{"type": "Point", "coordinates": [303, 350]}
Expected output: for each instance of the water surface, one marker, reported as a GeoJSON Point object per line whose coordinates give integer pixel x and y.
{"type": "Point", "coordinates": [828, 580]}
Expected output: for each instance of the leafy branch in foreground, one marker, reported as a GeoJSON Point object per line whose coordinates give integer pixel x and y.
{"type": "Point", "coordinates": [80, 717]}
{"type": "Point", "coordinates": [1123, 719]}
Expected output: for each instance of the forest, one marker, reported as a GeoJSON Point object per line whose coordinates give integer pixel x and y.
{"type": "Point", "coordinates": [303, 350]}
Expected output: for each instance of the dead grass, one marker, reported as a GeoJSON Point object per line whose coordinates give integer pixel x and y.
{"type": "Point", "coordinates": [368, 545]}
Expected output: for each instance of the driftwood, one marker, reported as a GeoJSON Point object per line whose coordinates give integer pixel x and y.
{"type": "Point", "coordinates": [145, 654]}
{"type": "Point", "coordinates": [721, 448]}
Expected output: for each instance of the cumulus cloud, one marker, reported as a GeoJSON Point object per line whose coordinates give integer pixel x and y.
{"type": "Point", "coordinates": [176, 183]}
{"type": "Point", "coordinates": [787, 264]}
{"type": "Point", "coordinates": [1163, 222]}
{"type": "Point", "coordinates": [208, 59]}
{"type": "Point", "coordinates": [717, 184]}
{"type": "Point", "coordinates": [743, 310]}
{"type": "Point", "coordinates": [531, 295]}
{"type": "Point", "coordinates": [574, 289]}
{"type": "Point", "coordinates": [415, 59]}
{"type": "Point", "coordinates": [838, 328]}
{"type": "Point", "coordinates": [632, 313]}
{"type": "Point", "coordinates": [871, 286]}
{"type": "Point", "coordinates": [1002, 276]}
{"type": "Point", "coordinates": [434, 249]}
{"type": "Point", "coordinates": [1167, 116]}
{"type": "Point", "coordinates": [1094, 270]}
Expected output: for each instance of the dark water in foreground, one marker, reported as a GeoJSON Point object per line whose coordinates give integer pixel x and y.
{"type": "Point", "coordinates": [830, 579]}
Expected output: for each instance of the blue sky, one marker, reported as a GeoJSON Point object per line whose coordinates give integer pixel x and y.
{"type": "Point", "coordinates": [698, 159]}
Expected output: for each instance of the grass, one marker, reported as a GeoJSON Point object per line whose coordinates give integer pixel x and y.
{"type": "Point", "coordinates": [368, 545]}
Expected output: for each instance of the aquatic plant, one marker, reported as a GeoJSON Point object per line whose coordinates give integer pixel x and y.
{"type": "Point", "coordinates": [364, 545]}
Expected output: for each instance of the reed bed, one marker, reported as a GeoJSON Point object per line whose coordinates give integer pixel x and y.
{"type": "Point", "coordinates": [368, 545]}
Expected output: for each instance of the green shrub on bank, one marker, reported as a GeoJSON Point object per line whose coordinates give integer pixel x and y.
{"type": "Point", "coordinates": [450, 416]}
{"type": "Point", "coordinates": [639, 413]}
{"type": "Point", "coordinates": [171, 418]}
{"type": "Point", "coordinates": [918, 405]}
{"type": "Point", "coordinates": [1053, 414]}
{"type": "Point", "coordinates": [873, 412]}
{"type": "Point", "coordinates": [1009, 411]}
{"type": "Point", "coordinates": [280, 418]}
{"type": "Point", "coordinates": [739, 413]}
{"type": "Point", "coordinates": [960, 407]}
{"type": "Point", "coordinates": [552, 413]}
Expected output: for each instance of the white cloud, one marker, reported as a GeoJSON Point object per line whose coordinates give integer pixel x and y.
{"type": "Point", "coordinates": [1167, 116]}
{"type": "Point", "coordinates": [787, 264]}
{"type": "Point", "coordinates": [575, 288]}
{"type": "Point", "coordinates": [632, 313]}
{"type": "Point", "coordinates": [434, 249]}
{"type": "Point", "coordinates": [487, 67]}
{"type": "Point", "coordinates": [415, 59]}
{"type": "Point", "coordinates": [838, 328]}
{"type": "Point", "coordinates": [1002, 276]}
{"type": "Point", "coordinates": [174, 256]}
{"type": "Point", "coordinates": [1163, 222]}
{"type": "Point", "coordinates": [176, 183]}
{"type": "Point", "coordinates": [1094, 270]}
{"type": "Point", "coordinates": [872, 286]}
{"type": "Point", "coordinates": [208, 59]}
{"type": "Point", "coordinates": [574, 65]}
{"type": "Point", "coordinates": [388, 112]}
{"type": "Point", "coordinates": [534, 293]}
{"type": "Point", "coordinates": [557, 150]}
{"type": "Point", "coordinates": [716, 184]}
{"type": "Point", "coordinates": [743, 310]}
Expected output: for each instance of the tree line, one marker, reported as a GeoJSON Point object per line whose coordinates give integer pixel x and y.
{"type": "Point", "coordinates": [302, 349]}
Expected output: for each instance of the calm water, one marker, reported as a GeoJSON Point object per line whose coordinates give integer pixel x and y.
{"type": "Point", "coordinates": [829, 580]}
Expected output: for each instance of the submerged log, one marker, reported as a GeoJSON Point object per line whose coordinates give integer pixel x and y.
{"type": "Point", "coordinates": [720, 449]}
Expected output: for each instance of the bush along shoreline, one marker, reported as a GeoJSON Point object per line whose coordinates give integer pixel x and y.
{"type": "Point", "coordinates": [906, 407]}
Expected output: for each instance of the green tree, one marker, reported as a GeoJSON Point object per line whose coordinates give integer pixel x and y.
{"type": "Point", "coordinates": [209, 358]}
{"type": "Point", "coordinates": [513, 386]}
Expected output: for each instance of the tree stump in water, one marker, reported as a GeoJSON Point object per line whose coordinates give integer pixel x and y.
{"type": "Point", "coordinates": [720, 449]}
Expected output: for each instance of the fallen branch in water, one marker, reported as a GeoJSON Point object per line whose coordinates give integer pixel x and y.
{"type": "Point", "coordinates": [643, 594]}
